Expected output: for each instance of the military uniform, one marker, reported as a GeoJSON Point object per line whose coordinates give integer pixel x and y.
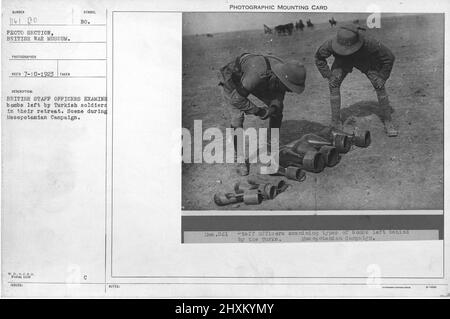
{"type": "Point", "coordinates": [268, 79]}
{"type": "Point", "coordinates": [252, 74]}
{"type": "Point", "coordinates": [373, 59]}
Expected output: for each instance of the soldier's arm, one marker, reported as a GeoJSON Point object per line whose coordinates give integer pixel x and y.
{"type": "Point", "coordinates": [278, 103]}
{"type": "Point", "coordinates": [386, 58]}
{"type": "Point", "coordinates": [240, 101]}
{"type": "Point", "coordinates": [321, 56]}
{"type": "Point", "coordinates": [239, 97]}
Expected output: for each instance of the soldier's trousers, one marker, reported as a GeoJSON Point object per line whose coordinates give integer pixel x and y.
{"type": "Point", "coordinates": [338, 75]}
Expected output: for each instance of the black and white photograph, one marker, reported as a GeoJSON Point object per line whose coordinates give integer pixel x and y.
{"type": "Point", "coordinates": [358, 104]}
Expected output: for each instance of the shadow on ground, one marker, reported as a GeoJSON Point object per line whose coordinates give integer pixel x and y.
{"type": "Point", "coordinates": [295, 129]}
{"type": "Point", "coordinates": [361, 109]}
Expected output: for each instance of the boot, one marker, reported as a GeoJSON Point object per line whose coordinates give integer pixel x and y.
{"type": "Point", "coordinates": [275, 120]}
{"type": "Point", "coordinates": [390, 129]}
{"type": "Point", "coordinates": [335, 102]}
{"type": "Point", "coordinates": [242, 169]}
{"type": "Point", "coordinates": [386, 113]}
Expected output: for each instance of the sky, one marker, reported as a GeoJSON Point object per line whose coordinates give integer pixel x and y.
{"type": "Point", "coordinates": [207, 22]}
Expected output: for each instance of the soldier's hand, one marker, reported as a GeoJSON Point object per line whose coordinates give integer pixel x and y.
{"type": "Point", "coordinates": [262, 112]}
{"type": "Point", "coordinates": [268, 112]}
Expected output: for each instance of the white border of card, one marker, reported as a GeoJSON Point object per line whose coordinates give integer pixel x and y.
{"type": "Point", "coordinates": [91, 204]}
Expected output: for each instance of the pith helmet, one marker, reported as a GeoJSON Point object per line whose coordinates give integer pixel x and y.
{"type": "Point", "coordinates": [292, 74]}
{"type": "Point", "coordinates": [347, 41]}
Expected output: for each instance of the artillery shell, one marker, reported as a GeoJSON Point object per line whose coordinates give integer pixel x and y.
{"type": "Point", "coordinates": [253, 180]}
{"type": "Point", "coordinates": [252, 197]}
{"type": "Point", "coordinates": [294, 173]}
{"type": "Point", "coordinates": [240, 187]}
{"type": "Point", "coordinates": [282, 185]}
{"type": "Point", "coordinates": [268, 191]}
{"type": "Point", "coordinates": [313, 162]}
{"type": "Point", "coordinates": [362, 139]}
{"type": "Point", "coordinates": [330, 154]}
{"type": "Point", "coordinates": [222, 199]}
{"type": "Point", "coordinates": [342, 143]}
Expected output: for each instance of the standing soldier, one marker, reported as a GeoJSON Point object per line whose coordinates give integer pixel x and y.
{"type": "Point", "coordinates": [350, 49]}
{"type": "Point", "coordinates": [266, 77]}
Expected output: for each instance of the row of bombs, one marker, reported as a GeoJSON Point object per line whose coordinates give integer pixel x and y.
{"type": "Point", "coordinates": [252, 192]}
{"type": "Point", "coordinates": [314, 152]}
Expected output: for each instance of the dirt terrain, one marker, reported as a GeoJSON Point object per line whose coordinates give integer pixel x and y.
{"type": "Point", "coordinates": [405, 172]}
